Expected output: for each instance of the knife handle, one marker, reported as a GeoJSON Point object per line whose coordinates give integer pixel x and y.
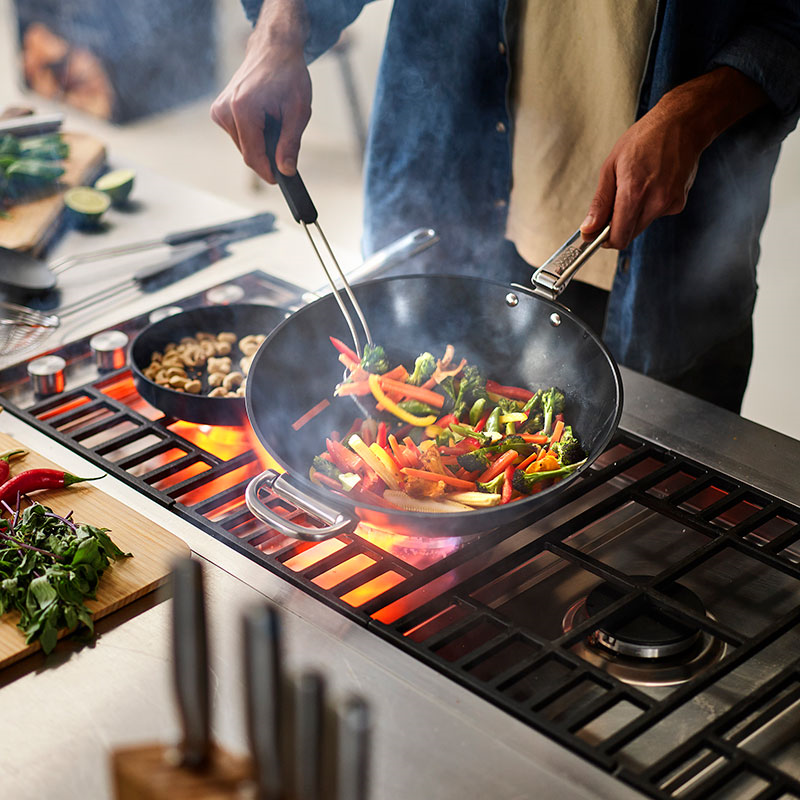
{"type": "Point", "coordinates": [353, 748]}
{"type": "Point", "coordinates": [292, 186]}
{"type": "Point", "coordinates": [263, 687]}
{"type": "Point", "coordinates": [190, 657]}
{"type": "Point", "coordinates": [262, 222]}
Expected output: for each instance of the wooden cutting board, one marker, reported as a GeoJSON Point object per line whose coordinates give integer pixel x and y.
{"type": "Point", "coordinates": [29, 225]}
{"type": "Point", "coordinates": [153, 548]}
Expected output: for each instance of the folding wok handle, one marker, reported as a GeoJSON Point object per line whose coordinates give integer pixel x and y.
{"type": "Point", "coordinates": [553, 276]}
{"type": "Point", "coordinates": [335, 521]}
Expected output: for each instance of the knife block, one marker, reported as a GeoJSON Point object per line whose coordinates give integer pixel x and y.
{"type": "Point", "coordinates": [150, 773]}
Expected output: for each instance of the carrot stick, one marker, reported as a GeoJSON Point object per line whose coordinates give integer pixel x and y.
{"type": "Point", "coordinates": [412, 447]}
{"type": "Point", "coordinates": [354, 387]}
{"type": "Point", "coordinates": [558, 429]}
{"type": "Point", "coordinates": [499, 466]}
{"type": "Point", "coordinates": [529, 460]}
{"type": "Point", "coordinates": [451, 480]}
{"type": "Point", "coordinates": [310, 414]}
{"type": "Point", "coordinates": [414, 392]}
{"type": "Point", "coordinates": [535, 438]}
{"type": "Point", "coordinates": [399, 373]}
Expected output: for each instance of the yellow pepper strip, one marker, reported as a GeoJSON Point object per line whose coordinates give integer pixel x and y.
{"type": "Point", "coordinates": [384, 457]}
{"type": "Point", "coordinates": [393, 408]}
{"type": "Point", "coordinates": [360, 448]}
{"type": "Point", "coordinates": [515, 416]}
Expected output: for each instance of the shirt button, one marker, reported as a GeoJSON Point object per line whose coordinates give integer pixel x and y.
{"type": "Point", "coordinates": [625, 264]}
{"type": "Point", "coordinates": [500, 203]}
{"type": "Point", "coordinates": [501, 48]}
{"type": "Point", "coordinates": [500, 127]}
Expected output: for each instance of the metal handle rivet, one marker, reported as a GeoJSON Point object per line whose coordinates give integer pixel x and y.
{"type": "Point", "coordinates": [512, 300]}
{"type": "Point", "coordinates": [555, 319]}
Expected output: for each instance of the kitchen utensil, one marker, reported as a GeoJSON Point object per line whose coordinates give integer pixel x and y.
{"type": "Point", "coordinates": [152, 547]}
{"type": "Point", "coordinates": [20, 270]}
{"type": "Point", "coordinates": [243, 320]}
{"type": "Point", "coordinates": [190, 662]}
{"type": "Point", "coordinates": [353, 760]}
{"type": "Point", "coordinates": [516, 336]}
{"type": "Point", "coordinates": [31, 124]}
{"type": "Point", "coordinates": [264, 684]}
{"type": "Point", "coordinates": [23, 329]}
{"type": "Point", "coordinates": [304, 212]}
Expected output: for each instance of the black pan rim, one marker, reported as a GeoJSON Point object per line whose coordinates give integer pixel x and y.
{"type": "Point", "coordinates": [342, 503]}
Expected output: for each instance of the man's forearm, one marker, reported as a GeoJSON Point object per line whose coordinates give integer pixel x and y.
{"type": "Point", "coordinates": [711, 103]}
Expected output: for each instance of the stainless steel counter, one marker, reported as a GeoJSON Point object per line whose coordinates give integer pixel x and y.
{"type": "Point", "coordinates": [62, 715]}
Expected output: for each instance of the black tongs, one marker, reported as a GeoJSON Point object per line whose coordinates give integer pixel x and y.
{"type": "Point", "coordinates": [304, 212]}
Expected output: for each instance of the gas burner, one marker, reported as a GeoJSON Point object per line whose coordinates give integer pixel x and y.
{"type": "Point", "coordinates": [646, 647]}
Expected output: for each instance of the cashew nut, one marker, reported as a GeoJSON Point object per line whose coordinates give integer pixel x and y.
{"type": "Point", "coordinates": [222, 365]}
{"type": "Point", "coordinates": [232, 380]}
{"type": "Point", "coordinates": [215, 379]}
{"type": "Point", "coordinates": [218, 392]}
{"type": "Point", "coordinates": [193, 386]}
{"type": "Point", "coordinates": [226, 336]}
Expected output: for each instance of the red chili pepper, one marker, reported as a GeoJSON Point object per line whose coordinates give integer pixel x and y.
{"type": "Point", "coordinates": [382, 440]}
{"type": "Point", "coordinates": [344, 349]}
{"type": "Point", "coordinates": [446, 420]}
{"type": "Point", "coordinates": [482, 422]}
{"type": "Point", "coordinates": [514, 392]}
{"type": "Point", "coordinates": [33, 479]}
{"type": "Point", "coordinates": [508, 478]}
{"type": "Point", "coordinates": [5, 466]}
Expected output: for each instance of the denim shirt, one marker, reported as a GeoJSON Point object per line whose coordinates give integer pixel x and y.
{"type": "Point", "coordinates": [439, 155]}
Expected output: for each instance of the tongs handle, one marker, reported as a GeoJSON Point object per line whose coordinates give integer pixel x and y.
{"type": "Point", "coordinates": [292, 186]}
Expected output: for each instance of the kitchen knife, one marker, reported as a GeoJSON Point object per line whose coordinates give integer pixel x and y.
{"type": "Point", "coordinates": [264, 684]}
{"type": "Point", "coordinates": [190, 657]}
{"type": "Point", "coordinates": [353, 750]}
{"type": "Point", "coordinates": [309, 755]}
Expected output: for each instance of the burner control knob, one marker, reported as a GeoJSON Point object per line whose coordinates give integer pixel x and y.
{"type": "Point", "coordinates": [109, 349]}
{"type": "Point", "coordinates": [225, 294]}
{"type": "Point", "coordinates": [47, 375]}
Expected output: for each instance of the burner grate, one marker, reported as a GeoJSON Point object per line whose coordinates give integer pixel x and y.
{"type": "Point", "coordinates": [487, 611]}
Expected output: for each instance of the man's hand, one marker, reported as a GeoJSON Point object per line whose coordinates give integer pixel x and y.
{"type": "Point", "coordinates": [273, 79]}
{"type": "Point", "coordinates": [652, 166]}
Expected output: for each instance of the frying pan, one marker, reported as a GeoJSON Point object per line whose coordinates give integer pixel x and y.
{"type": "Point", "coordinates": [516, 336]}
{"type": "Point", "coordinates": [242, 319]}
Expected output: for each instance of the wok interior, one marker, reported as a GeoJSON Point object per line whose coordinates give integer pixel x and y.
{"type": "Point", "coordinates": [297, 366]}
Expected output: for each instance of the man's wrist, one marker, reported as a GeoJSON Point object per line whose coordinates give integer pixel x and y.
{"type": "Point", "coordinates": [282, 23]}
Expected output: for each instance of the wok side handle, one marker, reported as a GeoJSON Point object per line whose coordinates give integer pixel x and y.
{"type": "Point", "coordinates": [335, 521]}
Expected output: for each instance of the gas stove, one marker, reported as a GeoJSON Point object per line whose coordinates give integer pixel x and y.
{"type": "Point", "coordinates": [648, 621]}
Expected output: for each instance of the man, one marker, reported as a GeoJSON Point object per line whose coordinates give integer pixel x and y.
{"type": "Point", "coordinates": [718, 90]}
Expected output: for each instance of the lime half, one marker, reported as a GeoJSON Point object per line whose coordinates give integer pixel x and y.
{"type": "Point", "coordinates": [86, 204]}
{"type": "Point", "coordinates": [117, 184]}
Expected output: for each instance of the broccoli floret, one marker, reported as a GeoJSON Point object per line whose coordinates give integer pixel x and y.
{"type": "Point", "coordinates": [326, 467]}
{"type": "Point", "coordinates": [534, 424]}
{"type": "Point", "coordinates": [568, 449]}
{"type": "Point", "coordinates": [447, 389]}
{"type": "Point", "coordinates": [507, 405]}
{"type": "Point", "coordinates": [535, 403]}
{"type": "Point", "coordinates": [493, 486]}
{"type": "Point", "coordinates": [477, 459]}
{"type": "Point", "coordinates": [552, 404]}
{"type": "Point", "coordinates": [473, 385]}
{"type": "Point", "coordinates": [374, 359]}
{"type": "Point", "coordinates": [423, 369]}
{"type": "Point", "coordinates": [525, 481]}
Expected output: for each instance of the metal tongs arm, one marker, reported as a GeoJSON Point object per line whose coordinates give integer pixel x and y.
{"type": "Point", "coordinates": [304, 212]}
{"type": "Point", "coordinates": [553, 276]}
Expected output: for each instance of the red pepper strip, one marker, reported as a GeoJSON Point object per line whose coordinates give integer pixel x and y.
{"type": "Point", "coordinates": [447, 460]}
{"type": "Point", "coordinates": [465, 475]}
{"type": "Point", "coordinates": [482, 422]}
{"type": "Point", "coordinates": [514, 392]}
{"type": "Point", "coordinates": [446, 420]}
{"type": "Point", "coordinates": [410, 458]}
{"type": "Point", "coordinates": [464, 446]}
{"type": "Point", "coordinates": [415, 392]}
{"type": "Point", "coordinates": [535, 438]}
{"type": "Point", "coordinates": [495, 469]}
{"type": "Point", "coordinates": [365, 495]}
{"type": "Point", "coordinates": [508, 479]}
{"type": "Point", "coordinates": [5, 467]}
{"type": "Point", "coordinates": [346, 460]}
{"type": "Point", "coordinates": [451, 480]}
{"type": "Point", "coordinates": [33, 479]}
{"type": "Point", "coordinates": [382, 440]}
{"type": "Point", "coordinates": [559, 417]}
{"type": "Point", "coordinates": [354, 428]}
{"type": "Point", "coordinates": [412, 447]}
{"type": "Point", "coordinates": [344, 349]}
{"type": "Point", "coordinates": [335, 436]}
{"type": "Point", "coordinates": [310, 414]}
{"type": "Point", "coordinates": [395, 459]}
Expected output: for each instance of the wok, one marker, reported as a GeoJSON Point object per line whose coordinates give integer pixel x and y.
{"type": "Point", "coordinates": [516, 336]}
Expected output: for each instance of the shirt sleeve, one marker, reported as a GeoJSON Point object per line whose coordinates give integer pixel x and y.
{"type": "Point", "coordinates": [326, 18]}
{"type": "Point", "coordinates": [766, 48]}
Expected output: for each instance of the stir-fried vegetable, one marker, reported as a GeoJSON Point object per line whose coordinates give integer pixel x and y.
{"type": "Point", "coordinates": [448, 439]}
